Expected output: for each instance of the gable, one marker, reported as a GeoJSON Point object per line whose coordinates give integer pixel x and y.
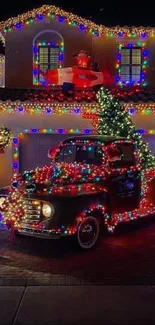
{"type": "Point", "coordinates": [52, 12]}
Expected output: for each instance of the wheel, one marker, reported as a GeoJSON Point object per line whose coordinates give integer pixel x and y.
{"type": "Point", "coordinates": [88, 233]}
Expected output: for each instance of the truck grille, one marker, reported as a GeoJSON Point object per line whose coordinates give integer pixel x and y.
{"type": "Point", "coordinates": [32, 211]}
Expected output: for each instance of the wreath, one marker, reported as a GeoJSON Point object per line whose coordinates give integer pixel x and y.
{"type": "Point", "coordinates": [4, 138]}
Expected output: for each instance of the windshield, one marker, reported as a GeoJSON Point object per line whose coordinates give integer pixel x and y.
{"type": "Point", "coordinates": [80, 153]}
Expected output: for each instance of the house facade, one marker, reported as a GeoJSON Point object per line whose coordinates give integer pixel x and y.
{"type": "Point", "coordinates": [40, 115]}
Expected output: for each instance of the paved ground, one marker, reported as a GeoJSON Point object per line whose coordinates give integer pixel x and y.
{"type": "Point", "coordinates": [126, 258]}
{"type": "Point", "coordinates": [110, 305]}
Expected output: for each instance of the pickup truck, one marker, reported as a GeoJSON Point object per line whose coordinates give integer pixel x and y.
{"type": "Point", "coordinates": [92, 181]}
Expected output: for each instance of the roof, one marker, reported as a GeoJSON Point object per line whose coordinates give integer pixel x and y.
{"type": "Point", "coordinates": [44, 95]}
{"type": "Point", "coordinates": [51, 95]}
{"type": "Point", "coordinates": [101, 138]}
{"type": "Point", "coordinates": [52, 12]}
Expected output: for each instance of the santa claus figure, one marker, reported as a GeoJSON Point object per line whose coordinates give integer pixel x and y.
{"type": "Point", "coordinates": [82, 60]}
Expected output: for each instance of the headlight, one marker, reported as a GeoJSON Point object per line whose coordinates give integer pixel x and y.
{"type": "Point", "coordinates": [48, 210]}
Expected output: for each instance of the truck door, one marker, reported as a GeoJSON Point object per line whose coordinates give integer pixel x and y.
{"type": "Point", "coordinates": [124, 181]}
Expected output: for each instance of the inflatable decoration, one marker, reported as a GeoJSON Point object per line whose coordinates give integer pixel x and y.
{"type": "Point", "coordinates": [80, 75]}
{"type": "Point", "coordinates": [4, 138]}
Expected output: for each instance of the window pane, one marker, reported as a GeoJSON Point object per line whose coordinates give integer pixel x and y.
{"type": "Point", "coordinates": [136, 69]}
{"type": "Point", "coordinates": [125, 58]}
{"type": "Point", "coordinates": [54, 58]}
{"type": "Point", "coordinates": [136, 78]}
{"type": "Point", "coordinates": [42, 67]}
{"type": "Point", "coordinates": [125, 77]}
{"type": "Point", "coordinates": [125, 69]}
{"type": "Point", "coordinates": [136, 56]}
{"type": "Point", "coordinates": [43, 55]}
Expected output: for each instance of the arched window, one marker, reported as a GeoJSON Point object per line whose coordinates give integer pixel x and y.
{"type": "Point", "coordinates": [48, 54]}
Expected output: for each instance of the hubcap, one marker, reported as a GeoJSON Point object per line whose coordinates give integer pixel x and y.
{"type": "Point", "coordinates": [88, 232]}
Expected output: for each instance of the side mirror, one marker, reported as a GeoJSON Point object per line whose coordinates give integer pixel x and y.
{"type": "Point", "coordinates": [52, 152]}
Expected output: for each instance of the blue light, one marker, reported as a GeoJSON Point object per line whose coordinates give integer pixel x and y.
{"type": "Point", "coordinates": [145, 53]}
{"type": "Point", "coordinates": [15, 140]}
{"type": "Point", "coordinates": [49, 110]}
{"type": "Point", "coordinates": [77, 110]}
{"type": "Point", "coordinates": [34, 130]}
{"type": "Point", "coordinates": [143, 34]}
{"type": "Point", "coordinates": [97, 34]}
{"type": "Point", "coordinates": [141, 131]}
{"type": "Point", "coordinates": [18, 25]}
{"type": "Point", "coordinates": [40, 17]}
{"type": "Point", "coordinates": [82, 27]}
{"type": "Point", "coordinates": [87, 131]}
{"type": "Point", "coordinates": [20, 109]}
{"type": "Point", "coordinates": [61, 19]}
{"type": "Point", "coordinates": [60, 131]}
{"type": "Point", "coordinates": [15, 165]}
{"type": "Point", "coordinates": [35, 72]}
{"type": "Point", "coordinates": [131, 111]}
{"type": "Point", "coordinates": [35, 49]}
{"type": "Point", "coordinates": [120, 34]}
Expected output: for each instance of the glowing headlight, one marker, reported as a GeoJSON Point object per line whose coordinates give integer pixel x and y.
{"type": "Point", "coordinates": [48, 210]}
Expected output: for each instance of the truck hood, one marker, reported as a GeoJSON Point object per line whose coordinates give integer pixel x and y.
{"type": "Point", "coordinates": [57, 175]}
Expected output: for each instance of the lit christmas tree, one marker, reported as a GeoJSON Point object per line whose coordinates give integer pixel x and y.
{"type": "Point", "coordinates": [114, 120]}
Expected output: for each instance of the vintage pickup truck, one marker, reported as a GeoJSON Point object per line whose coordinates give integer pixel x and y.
{"type": "Point", "coordinates": [91, 181]}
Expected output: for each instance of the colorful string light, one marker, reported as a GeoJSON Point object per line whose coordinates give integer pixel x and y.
{"type": "Point", "coordinates": [49, 109]}
{"type": "Point", "coordinates": [74, 178]}
{"type": "Point", "coordinates": [86, 26]}
{"type": "Point", "coordinates": [144, 64]}
{"type": "Point", "coordinates": [87, 110]}
{"type": "Point", "coordinates": [36, 60]}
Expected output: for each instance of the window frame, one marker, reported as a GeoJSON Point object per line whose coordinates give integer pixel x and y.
{"type": "Point", "coordinates": [48, 64]}
{"type": "Point", "coordinates": [36, 60]}
{"type": "Point", "coordinates": [131, 65]}
{"type": "Point", "coordinates": [144, 63]}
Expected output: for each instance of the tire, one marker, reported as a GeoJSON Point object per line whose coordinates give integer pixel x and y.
{"type": "Point", "coordinates": [88, 233]}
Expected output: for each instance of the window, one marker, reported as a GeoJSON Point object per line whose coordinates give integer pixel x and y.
{"type": "Point", "coordinates": [122, 155]}
{"type": "Point", "coordinates": [48, 59]}
{"type": "Point", "coordinates": [46, 56]}
{"type": "Point", "coordinates": [80, 154]}
{"type": "Point", "coordinates": [131, 65]}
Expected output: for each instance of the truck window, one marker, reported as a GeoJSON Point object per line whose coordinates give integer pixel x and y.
{"type": "Point", "coordinates": [80, 153]}
{"type": "Point", "coordinates": [122, 155]}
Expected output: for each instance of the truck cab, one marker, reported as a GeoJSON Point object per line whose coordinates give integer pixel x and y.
{"type": "Point", "coordinates": [91, 181]}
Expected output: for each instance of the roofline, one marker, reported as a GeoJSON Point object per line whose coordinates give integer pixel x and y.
{"type": "Point", "coordinates": [95, 29]}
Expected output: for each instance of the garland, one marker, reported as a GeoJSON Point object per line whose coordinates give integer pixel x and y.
{"type": "Point", "coordinates": [4, 138]}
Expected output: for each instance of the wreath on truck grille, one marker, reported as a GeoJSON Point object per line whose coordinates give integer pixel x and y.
{"type": "Point", "coordinates": [5, 137]}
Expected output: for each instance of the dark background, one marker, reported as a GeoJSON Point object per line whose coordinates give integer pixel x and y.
{"type": "Point", "coordinates": [106, 12]}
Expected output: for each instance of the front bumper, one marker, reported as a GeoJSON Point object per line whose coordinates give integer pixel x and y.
{"type": "Point", "coordinates": [45, 234]}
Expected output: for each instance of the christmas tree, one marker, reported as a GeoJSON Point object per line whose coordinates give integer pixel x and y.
{"type": "Point", "coordinates": [114, 120]}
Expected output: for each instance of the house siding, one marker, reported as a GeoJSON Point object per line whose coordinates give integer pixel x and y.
{"type": "Point", "coordinates": [19, 51]}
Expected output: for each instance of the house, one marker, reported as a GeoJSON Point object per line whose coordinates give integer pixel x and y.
{"type": "Point", "coordinates": [40, 115]}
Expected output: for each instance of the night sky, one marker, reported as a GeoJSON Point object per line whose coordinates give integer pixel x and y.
{"type": "Point", "coordinates": [110, 13]}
